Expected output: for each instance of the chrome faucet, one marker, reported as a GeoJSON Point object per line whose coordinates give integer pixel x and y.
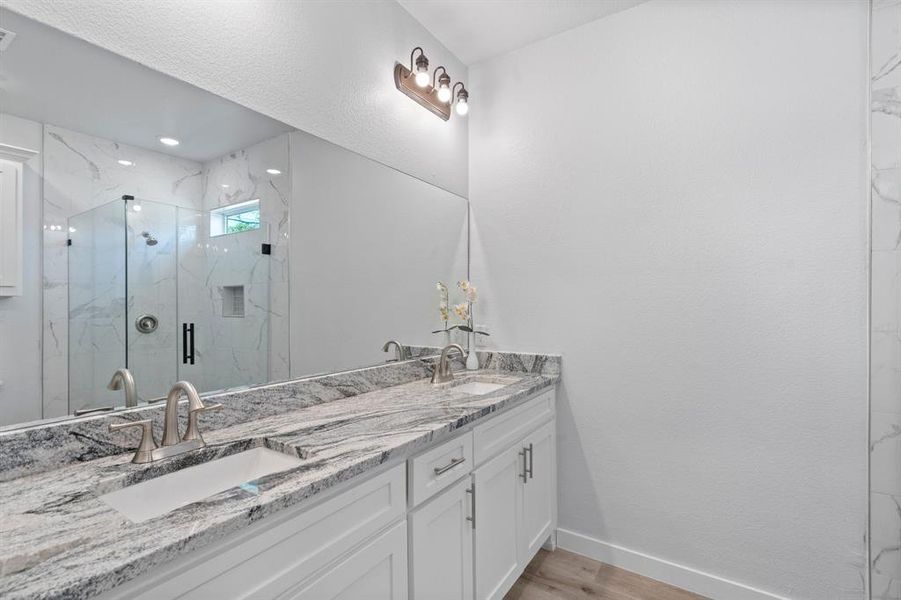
{"type": "Point", "coordinates": [400, 351]}
{"type": "Point", "coordinates": [442, 373]}
{"type": "Point", "coordinates": [172, 444]}
{"type": "Point", "coordinates": [124, 377]}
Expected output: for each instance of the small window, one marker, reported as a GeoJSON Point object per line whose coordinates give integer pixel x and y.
{"type": "Point", "coordinates": [235, 218]}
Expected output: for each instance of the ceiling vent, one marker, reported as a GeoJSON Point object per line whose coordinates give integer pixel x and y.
{"type": "Point", "coordinates": [6, 38]}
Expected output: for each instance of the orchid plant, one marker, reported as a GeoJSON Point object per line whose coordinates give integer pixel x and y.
{"type": "Point", "coordinates": [443, 309]}
{"type": "Point", "coordinates": [463, 310]}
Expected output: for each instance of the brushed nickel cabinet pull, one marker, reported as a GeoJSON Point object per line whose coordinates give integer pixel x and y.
{"type": "Point", "coordinates": [531, 456]}
{"type": "Point", "coordinates": [472, 492]}
{"type": "Point", "coordinates": [453, 463]}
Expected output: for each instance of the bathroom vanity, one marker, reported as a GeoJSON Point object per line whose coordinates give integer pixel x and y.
{"type": "Point", "coordinates": [409, 490]}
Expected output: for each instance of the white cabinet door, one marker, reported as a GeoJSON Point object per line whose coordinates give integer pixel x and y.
{"type": "Point", "coordinates": [498, 513]}
{"type": "Point", "coordinates": [538, 490]}
{"type": "Point", "coordinates": [441, 551]}
{"type": "Point", "coordinates": [377, 571]}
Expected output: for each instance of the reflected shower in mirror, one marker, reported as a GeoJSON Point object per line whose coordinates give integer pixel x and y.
{"type": "Point", "coordinates": [150, 288]}
{"type": "Point", "coordinates": [237, 251]}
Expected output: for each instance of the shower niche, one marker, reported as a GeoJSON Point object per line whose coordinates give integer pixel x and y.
{"type": "Point", "coordinates": [163, 291]}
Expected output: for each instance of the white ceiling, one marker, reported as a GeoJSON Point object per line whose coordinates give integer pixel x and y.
{"type": "Point", "coordinates": [476, 30]}
{"type": "Point", "coordinates": [52, 77]}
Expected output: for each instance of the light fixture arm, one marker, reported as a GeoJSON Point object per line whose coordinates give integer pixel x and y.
{"type": "Point", "coordinates": [413, 54]}
{"type": "Point", "coordinates": [435, 75]}
{"type": "Point", "coordinates": [454, 89]}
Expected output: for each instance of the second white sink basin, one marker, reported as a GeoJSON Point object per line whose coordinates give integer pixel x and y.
{"type": "Point", "coordinates": [156, 497]}
{"type": "Point", "coordinates": [479, 388]}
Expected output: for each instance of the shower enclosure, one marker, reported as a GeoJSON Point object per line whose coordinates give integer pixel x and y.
{"type": "Point", "coordinates": [170, 293]}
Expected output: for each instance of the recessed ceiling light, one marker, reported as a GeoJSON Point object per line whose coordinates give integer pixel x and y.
{"type": "Point", "coordinates": [273, 171]}
{"type": "Point", "coordinates": [136, 208]}
{"type": "Point", "coordinates": [125, 163]}
{"type": "Point", "coordinates": [168, 141]}
{"type": "Point", "coordinates": [225, 185]}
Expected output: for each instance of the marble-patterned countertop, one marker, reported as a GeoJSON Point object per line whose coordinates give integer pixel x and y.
{"type": "Point", "coordinates": [58, 540]}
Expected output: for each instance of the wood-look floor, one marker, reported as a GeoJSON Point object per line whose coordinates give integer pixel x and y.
{"type": "Point", "coordinates": [562, 575]}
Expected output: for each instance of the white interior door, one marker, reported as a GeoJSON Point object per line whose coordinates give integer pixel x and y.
{"type": "Point", "coordinates": [10, 229]}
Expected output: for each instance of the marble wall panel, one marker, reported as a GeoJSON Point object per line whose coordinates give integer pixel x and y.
{"type": "Point", "coordinates": [81, 172]}
{"type": "Point", "coordinates": [885, 355]}
{"type": "Point", "coordinates": [243, 175]}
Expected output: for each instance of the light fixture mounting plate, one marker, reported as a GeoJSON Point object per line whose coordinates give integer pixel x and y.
{"type": "Point", "coordinates": [426, 96]}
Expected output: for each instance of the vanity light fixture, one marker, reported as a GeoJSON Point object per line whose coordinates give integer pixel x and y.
{"type": "Point", "coordinates": [169, 141]}
{"type": "Point", "coordinates": [125, 163]}
{"type": "Point", "coordinates": [273, 171]}
{"type": "Point", "coordinates": [437, 97]}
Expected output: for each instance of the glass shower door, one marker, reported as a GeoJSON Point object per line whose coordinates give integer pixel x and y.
{"type": "Point", "coordinates": [223, 298]}
{"type": "Point", "coordinates": [97, 316]}
{"type": "Point", "coordinates": [152, 313]}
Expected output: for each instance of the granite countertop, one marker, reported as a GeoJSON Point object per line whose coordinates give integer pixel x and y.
{"type": "Point", "coordinates": [58, 540]}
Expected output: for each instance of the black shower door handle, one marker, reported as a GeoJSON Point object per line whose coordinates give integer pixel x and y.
{"type": "Point", "coordinates": [187, 343]}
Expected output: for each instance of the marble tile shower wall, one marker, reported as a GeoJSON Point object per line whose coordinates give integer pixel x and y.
{"type": "Point", "coordinates": [81, 173]}
{"type": "Point", "coordinates": [229, 350]}
{"type": "Point", "coordinates": [885, 376]}
{"type": "Point", "coordinates": [152, 284]}
{"type": "Point", "coordinates": [238, 177]}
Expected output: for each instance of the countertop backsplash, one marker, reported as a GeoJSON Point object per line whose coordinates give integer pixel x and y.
{"type": "Point", "coordinates": [47, 446]}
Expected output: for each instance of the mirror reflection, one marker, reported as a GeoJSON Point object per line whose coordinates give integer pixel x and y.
{"type": "Point", "coordinates": [180, 236]}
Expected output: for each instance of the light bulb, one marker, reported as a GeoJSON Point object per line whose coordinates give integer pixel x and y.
{"type": "Point", "coordinates": [462, 107]}
{"type": "Point", "coordinates": [169, 141]}
{"type": "Point", "coordinates": [422, 78]}
{"type": "Point", "coordinates": [444, 93]}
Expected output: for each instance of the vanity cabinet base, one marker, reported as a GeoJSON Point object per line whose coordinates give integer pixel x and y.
{"type": "Point", "coordinates": [475, 512]}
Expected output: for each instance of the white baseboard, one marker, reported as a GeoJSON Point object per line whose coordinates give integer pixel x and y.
{"type": "Point", "coordinates": [680, 576]}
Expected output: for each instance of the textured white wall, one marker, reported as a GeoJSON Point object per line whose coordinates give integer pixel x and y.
{"type": "Point", "coordinates": [675, 197]}
{"type": "Point", "coordinates": [20, 316]}
{"type": "Point", "coordinates": [324, 67]}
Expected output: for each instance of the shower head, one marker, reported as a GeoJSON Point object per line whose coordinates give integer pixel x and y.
{"type": "Point", "coordinates": [148, 239]}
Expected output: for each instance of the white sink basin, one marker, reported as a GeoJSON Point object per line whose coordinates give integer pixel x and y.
{"type": "Point", "coordinates": [150, 499]}
{"type": "Point", "coordinates": [479, 388]}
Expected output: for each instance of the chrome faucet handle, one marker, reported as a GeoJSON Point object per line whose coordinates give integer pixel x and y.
{"type": "Point", "coordinates": [144, 453]}
{"type": "Point", "coordinates": [193, 432]}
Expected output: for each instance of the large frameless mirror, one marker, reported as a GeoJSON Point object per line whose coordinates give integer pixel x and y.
{"type": "Point", "coordinates": [182, 236]}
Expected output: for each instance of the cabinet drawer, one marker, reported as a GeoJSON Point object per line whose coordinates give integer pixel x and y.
{"type": "Point", "coordinates": [509, 428]}
{"type": "Point", "coordinates": [265, 561]}
{"type": "Point", "coordinates": [432, 471]}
